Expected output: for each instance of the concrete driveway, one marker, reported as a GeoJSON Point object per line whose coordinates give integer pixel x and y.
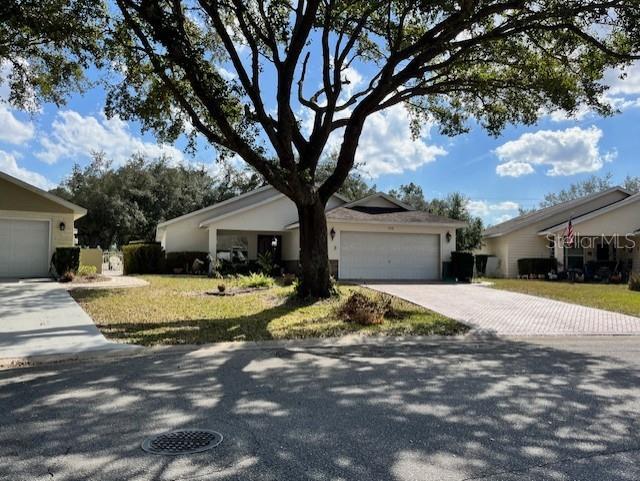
{"type": "Point", "coordinates": [512, 314]}
{"type": "Point", "coordinates": [436, 411]}
{"type": "Point", "coordinates": [38, 318]}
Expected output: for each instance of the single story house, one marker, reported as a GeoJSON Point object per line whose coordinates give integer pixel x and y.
{"type": "Point", "coordinates": [606, 227]}
{"type": "Point", "coordinates": [377, 237]}
{"type": "Point", "coordinates": [33, 223]}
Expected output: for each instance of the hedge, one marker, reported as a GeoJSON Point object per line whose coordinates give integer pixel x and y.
{"type": "Point", "coordinates": [143, 258]}
{"type": "Point", "coordinates": [462, 264]}
{"type": "Point", "coordinates": [66, 259]}
{"type": "Point", "coordinates": [184, 261]}
{"type": "Point", "coordinates": [537, 266]}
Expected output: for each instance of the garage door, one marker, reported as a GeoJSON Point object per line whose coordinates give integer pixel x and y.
{"type": "Point", "coordinates": [370, 255]}
{"type": "Point", "coordinates": [24, 248]}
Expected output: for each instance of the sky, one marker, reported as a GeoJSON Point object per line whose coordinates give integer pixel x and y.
{"type": "Point", "coordinates": [498, 175]}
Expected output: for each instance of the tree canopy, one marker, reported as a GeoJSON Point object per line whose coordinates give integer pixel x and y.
{"type": "Point", "coordinates": [589, 186]}
{"type": "Point", "coordinates": [127, 202]}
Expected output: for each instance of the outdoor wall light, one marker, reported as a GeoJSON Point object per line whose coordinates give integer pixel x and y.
{"type": "Point", "coordinates": [448, 236]}
{"type": "Point", "coordinates": [62, 226]}
{"type": "Point", "coordinates": [274, 242]}
{"type": "Point", "coordinates": [332, 233]}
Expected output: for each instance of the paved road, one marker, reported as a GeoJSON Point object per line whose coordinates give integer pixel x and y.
{"type": "Point", "coordinates": [458, 410]}
{"type": "Point", "coordinates": [512, 314]}
{"type": "Point", "coordinates": [39, 318]}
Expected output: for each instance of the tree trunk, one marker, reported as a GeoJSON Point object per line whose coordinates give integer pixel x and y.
{"type": "Point", "coordinates": [315, 274]}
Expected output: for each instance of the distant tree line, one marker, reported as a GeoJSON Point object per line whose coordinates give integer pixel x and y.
{"type": "Point", "coordinates": [589, 186]}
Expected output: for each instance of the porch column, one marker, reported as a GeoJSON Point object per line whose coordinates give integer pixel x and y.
{"type": "Point", "coordinates": [213, 246]}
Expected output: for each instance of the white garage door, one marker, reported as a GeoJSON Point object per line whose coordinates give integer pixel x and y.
{"type": "Point", "coordinates": [24, 248]}
{"type": "Point", "coordinates": [373, 255]}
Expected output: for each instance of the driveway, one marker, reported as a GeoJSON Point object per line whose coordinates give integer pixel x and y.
{"type": "Point", "coordinates": [39, 318]}
{"type": "Point", "coordinates": [512, 314]}
{"type": "Point", "coordinates": [438, 411]}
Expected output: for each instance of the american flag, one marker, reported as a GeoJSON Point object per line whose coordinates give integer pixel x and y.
{"type": "Point", "coordinates": [570, 235]}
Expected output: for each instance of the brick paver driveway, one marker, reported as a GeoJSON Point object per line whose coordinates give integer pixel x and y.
{"type": "Point", "coordinates": [512, 314]}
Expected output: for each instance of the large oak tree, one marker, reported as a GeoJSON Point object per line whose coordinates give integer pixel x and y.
{"type": "Point", "coordinates": [267, 80]}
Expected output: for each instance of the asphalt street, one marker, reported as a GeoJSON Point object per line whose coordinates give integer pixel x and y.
{"type": "Point", "coordinates": [455, 410]}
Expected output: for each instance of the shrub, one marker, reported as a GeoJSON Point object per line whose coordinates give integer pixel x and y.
{"type": "Point", "coordinates": [365, 310]}
{"type": "Point", "coordinates": [255, 280]}
{"type": "Point", "coordinates": [538, 266]}
{"type": "Point", "coordinates": [66, 259]}
{"type": "Point", "coordinates": [266, 263]}
{"type": "Point", "coordinates": [186, 260]}
{"type": "Point", "coordinates": [634, 282]}
{"type": "Point", "coordinates": [462, 264]}
{"type": "Point", "coordinates": [227, 268]}
{"type": "Point", "coordinates": [222, 288]}
{"type": "Point", "coordinates": [143, 258]}
{"type": "Point", "coordinates": [87, 271]}
{"type": "Point", "coordinates": [68, 276]}
{"type": "Point", "coordinates": [288, 279]}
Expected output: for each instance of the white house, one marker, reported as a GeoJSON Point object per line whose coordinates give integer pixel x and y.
{"type": "Point", "coordinates": [376, 237]}
{"type": "Point", "coordinates": [606, 227]}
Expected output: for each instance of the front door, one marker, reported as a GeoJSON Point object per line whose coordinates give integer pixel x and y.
{"type": "Point", "coordinates": [272, 244]}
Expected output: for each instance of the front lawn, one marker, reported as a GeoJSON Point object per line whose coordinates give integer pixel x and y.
{"type": "Point", "coordinates": [177, 310]}
{"type": "Point", "coordinates": [617, 298]}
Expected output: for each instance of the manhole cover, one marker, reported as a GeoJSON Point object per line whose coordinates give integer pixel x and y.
{"type": "Point", "coordinates": [182, 441]}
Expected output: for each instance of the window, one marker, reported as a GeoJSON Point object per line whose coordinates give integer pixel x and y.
{"type": "Point", "coordinates": [233, 248]}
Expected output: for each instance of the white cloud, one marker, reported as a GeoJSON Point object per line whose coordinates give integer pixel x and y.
{"type": "Point", "coordinates": [493, 212]}
{"type": "Point", "coordinates": [514, 169]}
{"type": "Point", "coordinates": [483, 208]}
{"type": "Point", "coordinates": [387, 147]}
{"type": "Point", "coordinates": [76, 135]}
{"type": "Point", "coordinates": [565, 152]}
{"type": "Point", "coordinates": [12, 130]}
{"type": "Point", "coordinates": [9, 165]}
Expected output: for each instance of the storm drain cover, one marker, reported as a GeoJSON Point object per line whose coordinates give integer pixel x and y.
{"type": "Point", "coordinates": [182, 441]}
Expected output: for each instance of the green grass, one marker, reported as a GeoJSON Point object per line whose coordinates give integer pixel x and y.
{"type": "Point", "coordinates": [617, 298]}
{"type": "Point", "coordinates": [177, 310]}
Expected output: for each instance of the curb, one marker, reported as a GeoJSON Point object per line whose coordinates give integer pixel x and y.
{"type": "Point", "coordinates": [122, 350]}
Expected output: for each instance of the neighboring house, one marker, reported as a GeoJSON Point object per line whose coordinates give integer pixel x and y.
{"type": "Point", "coordinates": [606, 226]}
{"type": "Point", "coordinates": [32, 224]}
{"type": "Point", "coordinates": [376, 237]}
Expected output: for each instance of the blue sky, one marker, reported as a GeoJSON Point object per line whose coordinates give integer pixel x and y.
{"type": "Point", "coordinates": [498, 175]}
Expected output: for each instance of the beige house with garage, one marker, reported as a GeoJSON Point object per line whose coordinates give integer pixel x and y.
{"type": "Point", "coordinates": [606, 227]}
{"type": "Point", "coordinates": [33, 223]}
{"type": "Point", "coordinates": [376, 237]}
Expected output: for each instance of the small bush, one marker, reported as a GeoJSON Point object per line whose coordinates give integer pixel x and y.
{"type": "Point", "coordinates": [227, 268]}
{"type": "Point", "coordinates": [255, 280]}
{"type": "Point", "coordinates": [66, 259]}
{"type": "Point", "coordinates": [365, 310]}
{"type": "Point", "coordinates": [462, 264]}
{"type": "Point", "coordinates": [67, 277]}
{"type": "Point", "coordinates": [288, 279]}
{"type": "Point", "coordinates": [87, 271]}
{"type": "Point", "coordinates": [634, 282]}
{"type": "Point", "coordinates": [537, 266]}
{"type": "Point", "coordinates": [222, 288]}
{"type": "Point", "coordinates": [143, 258]}
{"type": "Point", "coordinates": [481, 264]}
{"type": "Point", "coordinates": [187, 262]}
